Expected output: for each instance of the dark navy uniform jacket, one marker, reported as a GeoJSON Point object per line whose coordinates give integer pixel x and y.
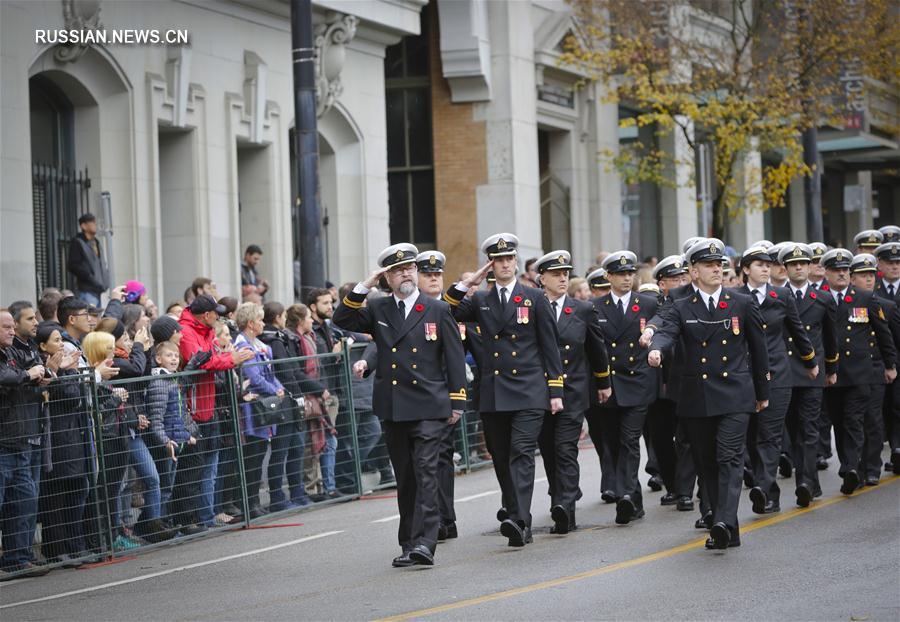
{"type": "Point", "coordinates": [726, 362]}
{"type": "Point", "coordinates": [416, 377]}
{"type": "Point", "coordinates": [520, 367]}
{"type": "Point", "coordinates": [634, 382]}
{"type": "Point", "coordinates": [817, 314]}
{"type": "Point", "coordinates": [862, 327]}
{"type": "Point", "coordinates": [584, 359]}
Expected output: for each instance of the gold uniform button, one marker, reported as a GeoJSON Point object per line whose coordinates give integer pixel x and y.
{"type": "Point", "coordinates": [790, 338]}
{"type": "Point", "coordinates": [849, 328]}
{"type": "Point", "coordinates": [724, 342]}
{"type": "Point", "coordinates": [513, 352]}
{"type": "Point", "coordinates": [496, 354]}
{"type": "Point", "coordinates": [872, 332]}
{"type": "Point", "coordinates": [613, 372]}
{"type": "Point", "coordinates": [414, 366]}
{"type": "Point", "coordinates": [790, 352]}
{"type": "Point", "coordinates": [414, 350]}
{"type": "Point", "coordinates": [725, 358]}
{"type": "Point", "coordinates": [630, 345]}
{"type": "Point", "coordinates": [724, 374]}
{"type": "Point", "coordinates": [567, 346]}
{"type": "Point", "coordinates": [703, 344]}
{"type": "Point", "coordinates": [393, 349]}
{"type": "Point", "coordinates": [393, 382]}
{"type": "Point", "coordinates": [764, 327]}
{"type": "Point", "coordinates": [513, 337]}
{"type": "Point", "coordinates": [703, 360]}
{"type": "Point", "coordinates": [496, 372]}
{"type": "Point", "coordinates": [612, 358]}
{"type": "Point", "coordinates": [514, 372]}
{"type": "Point", "coordinates": [393, 365]}
{"type": "Point", "coordinates": [847, 353]}
{"type": "Point", "coordinates": [631, 359]}
{"type": "Point", "coordinates": [415, 382]}
{"type": "Point", "coordinates": [496, 337]}
{"type": "Point", "coordinates": [566, 362]}
{"type": "Point", "coordinates": [704, 376]}
{"type": "Point", "coordinates": [848, 339]}
{"type": "Point", "coordinates": [565, 376]}
{"type": "Point", "coordinates": [808, 327]}
{"type": "Point", "coordinates": [613, 344]}
{"type": "Point", "coordinates": [631, 372]}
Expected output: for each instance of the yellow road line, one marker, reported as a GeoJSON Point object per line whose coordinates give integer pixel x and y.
{"type": "Point", "coordinates": [638, 561]}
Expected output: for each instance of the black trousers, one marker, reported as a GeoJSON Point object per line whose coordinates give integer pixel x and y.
{"type": "Point", "coordinates": [594, 416]}
{"type": "Point", "coordinates": [414, 447]}
{"type": "Point", "coordinates": [663, 429]}
{"type": "Point", "coordinates": [846, 408]}
{"type": "Point", "coordinates": [764, 441]}
{"type": "Point", "coordinates": [824, 426]}
{"type": "Point", "coordinates": [62, 529]}
{"type": "Point", "coordinates": [622, 428]}
{"type": "Point", "coordinates": [873, 434]}
{"type": "Point", "coordinates": [254, 453]}
{"type": "Point", "coordinates": [447, 475]}
{"type": "Point", "coordinates": [802, 424]}
{"type": "Point", "coordinates": [513, 442]}
{"type": "Point", "coordinates": [559, 451]}
{"type": "Point", "coordinates": [892, 415]}
{"type": "Point", "coordinates": [718, 447]}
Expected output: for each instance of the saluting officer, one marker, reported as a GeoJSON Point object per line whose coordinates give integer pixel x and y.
{"type": "Point", "coordinates": [857, 322]}
{"type": "Point", "coordinates": [888, 286]}
{"type": "Point", "coordinates": [623, 316]}
{"type": "Point", "coordinates": [669, 437]}
{"type": "Point", "coordinates": [420, 381]}
{"type": "Point", "coordinates": [430, 266]}
{"type": "Point", "coordinates": [724, 381]}
{"type": "Point", "coordinates": [781, 321]}
{"type": "Point", "coordinates": [521, 374]}
{"type": "Point", "coordinates": [598, 282]}
{"type": "Point", "coordinates": [817, 314]}
{"type": "Point", "coordinates": [583, 357]}
{"type": "Point", "coordinates": [862, 277]}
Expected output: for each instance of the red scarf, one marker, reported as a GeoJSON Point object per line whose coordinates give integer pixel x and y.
{"type": "Point", "coordinates": [308, 348]}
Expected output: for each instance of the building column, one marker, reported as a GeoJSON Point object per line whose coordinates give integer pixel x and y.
{"type": "Point", "coordinates": [679, 216]}
{"type": "Point", "coordinates": [750, 225]}
{"type": "Point", "coordinates": [857, 203]}
{"type": "Point", "coordinates": [606, 190]}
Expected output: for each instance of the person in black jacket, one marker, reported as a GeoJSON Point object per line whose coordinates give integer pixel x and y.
{"type": "Point", "coordinates": [724, 381]}
{"type": "Point", "coordinates": [20, 452]}
{"type": "Point", "coordinates": [585, 363]}
{"type": "Point", "coordinates": [287, 445]}
{"type": "Point", "coordinates": [888, 287]}
{"type": "Point", "coordinates": [87, 263]}
{"type": "Point", "coordinates": [64, 490]}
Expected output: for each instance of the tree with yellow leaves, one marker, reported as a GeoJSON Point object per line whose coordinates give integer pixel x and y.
{"type": "Point", "coordinates": [741, 76]}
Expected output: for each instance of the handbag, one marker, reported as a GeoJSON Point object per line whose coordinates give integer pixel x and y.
{"type": "Point", "coordinates": [268, 411]}
{"type": "Point", "coordinates": [314, 408]}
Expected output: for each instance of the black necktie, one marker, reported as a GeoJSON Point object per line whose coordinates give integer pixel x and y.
{"type": "Point", "coordinates": [840, 298]}
{"type": "Point", "coordinates": [402, 309]}
{"type": "Point", "coordinates": [620, 307]}
{"type": "Point", "coordinates": [712, 306]}
{"type": "Point", "coordinates": [503, 298]}
{"type": "Point", "coordinates": [814, 285]}
{"type": "Point", "coordinates": [555, 306]}
{"type": "Point", "coordinates": [799, 295]}
{"type": "Point", "coordinates": [891, 290]}
{"type": "Point", "coordinates": [755, 293]}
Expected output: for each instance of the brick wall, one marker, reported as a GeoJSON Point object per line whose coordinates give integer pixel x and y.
{"type": "Point", "coordinates": [460, 166]}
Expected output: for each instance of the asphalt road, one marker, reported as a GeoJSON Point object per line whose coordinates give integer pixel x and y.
{"type": "Point", "coordinates": [837, 560]}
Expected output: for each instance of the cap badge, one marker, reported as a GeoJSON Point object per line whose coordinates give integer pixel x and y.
{"type": "Point", "coordinates": [399, 254]}
{"type": "Point", "coordinates": [676, 265]}
{"type": "Point", "coordinates": [839, 257]}
{"type": "Point", "coordinates": [713, 249]}
{"type": "Point", "coordinates": [623, 260]}
{"type": "Point", "coordinates": [819, 251]}
{"type": "Point", "coordinates": [798, 252]}
{"type": "Point", "coordinates": [873, 237]}
{"type": "Point", "coordinates": [432, 260]}
{"type": "Point", "coordinates": [501, 244]}
{"type": "Point", "coordinates": [561, 259]}
{"type": "Point", "coordinates": [868, 262]}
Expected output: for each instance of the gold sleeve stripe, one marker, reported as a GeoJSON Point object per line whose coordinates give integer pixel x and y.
{"type": "Point", "coordinates": [834, 360]}
{"type": "Point", "coordinates": [601, 374]}
{"type": "Point", "coordinates": [351, 304]}
{"type": "Point", "coordinates": [450, 300]}
{"type": "Point", "coordinates": [808, 357]}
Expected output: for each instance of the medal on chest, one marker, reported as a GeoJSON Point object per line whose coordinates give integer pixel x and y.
{"type": "Point", "coordinates": [430, 331]}
{"type": "Point", "coordinates": [522, 315]}
{"type": "Point", "coordinates": [462, 330]}
{"type": "Point", "coordinates": [643, 324]}
{"type": "Point", "coordinates": [859, 315]}
{"type": "Point", "coordinates": [736, 325]}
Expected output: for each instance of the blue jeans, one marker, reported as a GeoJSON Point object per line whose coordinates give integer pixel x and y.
{"type": "Point", "coordinates": [206, 504]}
{"type": "Point", "coordinates": [88, 297]}
{"type": "Point", "coordinates": [287, 455]}
{"type": "Point", "coordinates": [166, 469]}
{"type": "Point", "coordinates": [140, 459]}
{"type": "Point", "coordinates": [368, 432]}
{"type": "Point", "coordinates": [326, 462]}
{"type": "Point", "coordinates": [18, 503]}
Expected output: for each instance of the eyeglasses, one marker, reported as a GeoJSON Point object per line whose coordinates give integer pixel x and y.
{"type": "Point", "coordinates": [403, 269]}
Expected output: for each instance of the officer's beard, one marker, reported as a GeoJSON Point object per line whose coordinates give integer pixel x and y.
{"type": "Point", "coordinates": [406, 288]}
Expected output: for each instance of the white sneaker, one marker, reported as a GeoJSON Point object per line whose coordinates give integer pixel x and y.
{"type": "Point", "coordinates": [222, 519]}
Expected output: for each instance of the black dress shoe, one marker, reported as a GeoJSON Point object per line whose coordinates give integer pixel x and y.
{"type": "Point", "coordinates": [668, 499]}
{"type": "Point", "coordinates": [851, 482]}
{"type": "Point", "coordinates": [513, 532]}
{"type": "Point", "coordinates": [560, 520]}
{"type": "Point", "coordinates": [772, 507]}
{"type": "Point", "coordinates": [421, 555]}
{"type": "Point", "coordinates": [502, 514]}
{"type": "Point", "coordinates": [785, 466]}
{"type": "Point", "coordinates": [655, 483]}
{"type": "Point", "coordinates": [704, 522]}
{"type": "Point", "coordinates": [639, 513]}
{"type": "Point", "coordinates": [685, 504]}
{"type": "Point", "coordinates": [402, 561]}
{"type": "Point", "coordinates": [758, 499]}
{"type": "Point", "coordinates": [718, 537]}
{"type": "Point", "coordinates": [625, 510]}
{"type": "Point", "coordinates": [608, 496]}
{"type": "Point", "coordinates": [451, 531]}
{"type": "Point", "coordinates": [749, 480]}
{"type": "Point", "coordinates": [442, 533]}
{"type": "Point", "coordinates": [895, 460]}
{"type": "Point", "coordinates": [821, 463]}
{"type": "Point", "coordinates": [804, 495]}
{"type": "Point", "coordinates": [871, 481]}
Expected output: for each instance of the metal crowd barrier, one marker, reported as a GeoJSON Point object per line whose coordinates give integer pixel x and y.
{"type": "Point", "coordinates": [133, 464]}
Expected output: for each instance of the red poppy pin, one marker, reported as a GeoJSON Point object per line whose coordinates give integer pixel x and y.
{"type": "Point", "coordinates": [635, 308]}
{"type": "Point", "coordinates": [848, 298]}
{"type": "Point", "coordinates": [567, 310]}
{"type": "Point", "coordinates": [773, 294]}
{"type": "Point", "coordinates": [879, 274]}
{"type": "Point", "coordinates": [812, 295]}
{"type": "Point", "coordinates": [825, 288]}
{"type": "Point", "coordinates": [420, 307]}
{"type": "Point", "coordinates": [517, 299]}
{"type": "Point", "coordinates": [723, 304]}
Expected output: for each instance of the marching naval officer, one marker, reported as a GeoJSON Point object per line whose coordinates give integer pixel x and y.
{"type": "Point", "coordinates": [521, 374]}
{"type": "Point", "coordinates": [420, 381]}
{"type": "Point", "coordinates": [724, 381]}
{"type": "Point", "coordinates": [583, 357]}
